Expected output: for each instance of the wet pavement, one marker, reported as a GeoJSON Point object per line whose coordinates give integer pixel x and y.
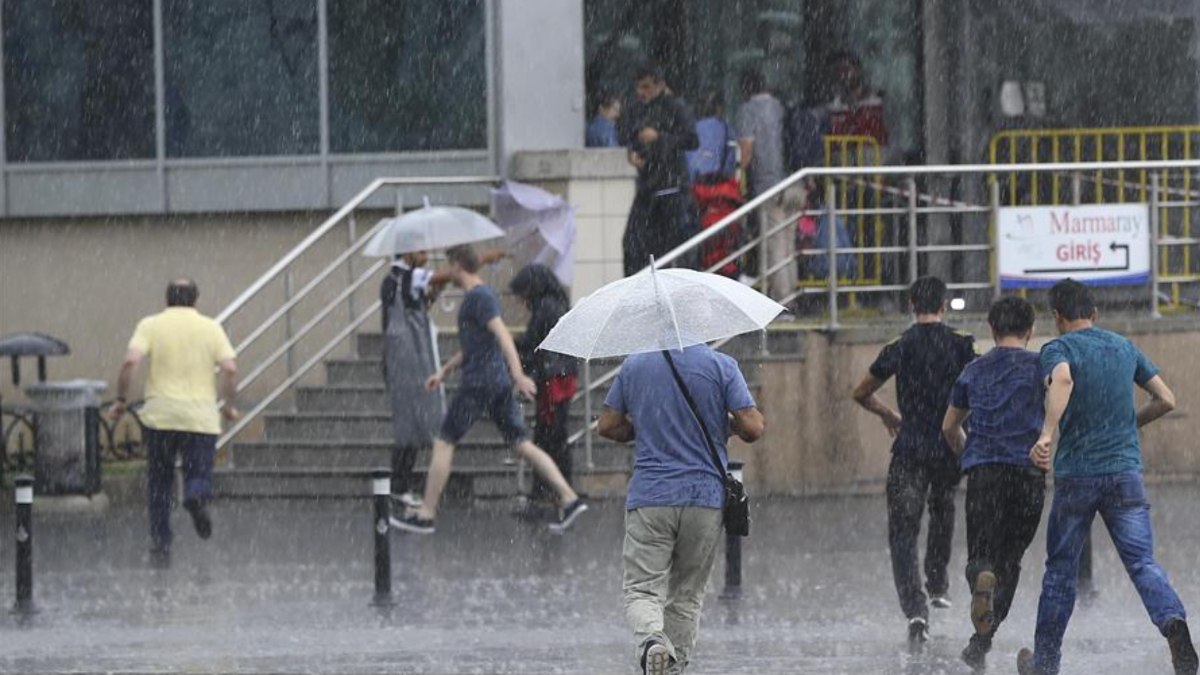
{"type": "Point", "coordinates": [286, 587]}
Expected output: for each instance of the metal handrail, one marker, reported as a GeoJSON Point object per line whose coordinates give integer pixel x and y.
{"type": "Point", "coordinates": [346, 295]}
{"type": "Point", "coordinates": [832, 250]}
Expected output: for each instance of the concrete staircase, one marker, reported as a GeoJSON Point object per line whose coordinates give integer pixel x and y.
{"type": "Point", "coordinates": [341, 430]}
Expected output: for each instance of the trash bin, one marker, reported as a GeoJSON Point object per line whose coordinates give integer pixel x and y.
{"type": "Point", "coordinates": [67, 457]}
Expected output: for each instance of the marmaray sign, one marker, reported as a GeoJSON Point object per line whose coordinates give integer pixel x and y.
{"type": "Point", "coordinates": [1101, 245]}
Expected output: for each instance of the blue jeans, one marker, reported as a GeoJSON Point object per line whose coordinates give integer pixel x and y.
{"type": "Point", "coordinates": [198, 451]}
{"type": "Point", "coordinates": [1120, 499]}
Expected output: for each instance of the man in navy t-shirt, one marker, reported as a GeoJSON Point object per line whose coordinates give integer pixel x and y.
{"type": "Point", "coordinates": [925, 360]}
{"type": "Point", "coordinates": [490, 369]}
{"type": "Point", "coordinates": [1003, 394]}
{"type": "Point", "coordinates": [1090, 374]}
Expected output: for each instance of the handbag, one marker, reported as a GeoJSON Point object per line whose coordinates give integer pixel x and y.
{"type": "Point", "coordinates": [736, 513]}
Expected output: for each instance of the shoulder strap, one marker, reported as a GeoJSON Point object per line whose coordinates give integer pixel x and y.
{"type": "Point", "coordinates": [687, 395]}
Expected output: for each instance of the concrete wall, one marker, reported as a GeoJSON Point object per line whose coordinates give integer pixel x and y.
{"type": "Point", "coordinates": [819, 441]}
{"type": "Point", "coordinates": [539, 89]}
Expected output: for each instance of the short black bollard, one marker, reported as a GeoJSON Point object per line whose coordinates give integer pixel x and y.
{"type": "Point", "coordinates": [381, 489]}
{"type": "Point", "coordinates": [733, 552]}
{"type": "Point", "coordinates": [24, 493]}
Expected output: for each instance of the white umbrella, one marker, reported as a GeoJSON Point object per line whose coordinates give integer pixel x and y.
{"type": "Point", "coordinates": [428, 228]}
{"type": "Point", "coordinates": [659, 309]}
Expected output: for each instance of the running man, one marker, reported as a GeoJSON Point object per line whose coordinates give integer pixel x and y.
{"type": "Point", "coordinates": [926, 360]}
{"type": "Point", "coordinates": [490, 370]}
{"type": "Point", "coordinates": [1003, 394]}
{"type": "Point", "coordinates": [1090, 373]}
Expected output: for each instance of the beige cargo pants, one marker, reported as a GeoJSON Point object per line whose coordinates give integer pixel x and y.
{"type": "Point", "coordinates": [669, 554]}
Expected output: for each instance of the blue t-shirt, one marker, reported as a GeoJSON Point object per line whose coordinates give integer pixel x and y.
{"type": "Point", "coordinates": [483, 364]}
{"type": "Point", "coordinates": [672, 465]}
{"type": "Point", "coordinates": [714, 156]}
{"type": "Point", "coordinates": [601, 133]}
{"type": "Point", "coordinates": [1004, 392]}
{"type": "Point", "coordinates": [1098, 433]}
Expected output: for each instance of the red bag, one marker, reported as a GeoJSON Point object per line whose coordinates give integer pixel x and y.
{"type": "Point", "coordinates": [715, 201]}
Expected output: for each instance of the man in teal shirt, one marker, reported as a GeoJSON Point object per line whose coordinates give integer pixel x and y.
{"type": "Point", "coordinates": [1090, 373]}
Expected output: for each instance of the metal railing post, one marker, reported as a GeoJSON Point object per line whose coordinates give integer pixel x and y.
{"type": "Point", "coordinates": [351, 240]}
{"type": "Point", "coordinates": [763, 265]}
{"type": "Point", "coordinates": [587, 416]}
{"type": "Point", "coordinates": [24, 547]}
{"type": "Point", "coordinates": [994, 202]}
{"type": "Point", "coordinates": [830, 248]}
{"type": "Point", "coordinates": [1076, 188]}
{"type": "Point", "coordinates": [910, 184]}
{"type": "Point", "coordinates": [1154, 244]}
{"type": "Point", "coordinates": [288, 329]}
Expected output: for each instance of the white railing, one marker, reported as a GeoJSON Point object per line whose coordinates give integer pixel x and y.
{"type": "Point", "coordinates": [326, 280]}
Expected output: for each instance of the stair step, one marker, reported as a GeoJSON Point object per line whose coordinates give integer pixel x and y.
{"type": "Point", "coordinates": [358, 426]}
{"type": "Point", "coordinates": [315, 455]}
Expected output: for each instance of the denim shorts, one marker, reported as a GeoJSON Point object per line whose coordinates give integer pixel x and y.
{"type": "Point", "coordinates": [470, 402]}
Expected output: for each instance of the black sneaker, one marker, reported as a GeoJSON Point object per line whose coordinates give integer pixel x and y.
{"type": "Point", "coordinates": [414, 524]}
{"type": "Point", "coordinates": [918, 631]}
{"type": "Point", "coordinates": [199, 517]}
{"type": "Point", "coordinates": [656, 659]}
{"type": "Point", "coordinates": [1183, 653]}
{"type": "Point", "coordinates": [1025, 664]}
{"type": "Point", "coordinates": [975, 653]}
{"type": "Point", "coordinates": [569, 514]}
{"type": "Point", "coordinates": [982, 602]}
{"type": "Point", "coordinates": [160, 556]}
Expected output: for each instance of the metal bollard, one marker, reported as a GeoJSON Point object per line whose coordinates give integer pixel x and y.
{"type": "Point", "coordinates": [381, 488]}
{"type": "Point", "coordinates": [24, 494]}
{"type": "Point", "coordinates": [733, 551]}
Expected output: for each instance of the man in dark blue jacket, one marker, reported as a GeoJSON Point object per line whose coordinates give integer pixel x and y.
{"type": "Point", "coordinates": [658, 130]}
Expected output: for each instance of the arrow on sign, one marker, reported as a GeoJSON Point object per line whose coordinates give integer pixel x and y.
{"type": "Point", "coordinates": [1114, 268]}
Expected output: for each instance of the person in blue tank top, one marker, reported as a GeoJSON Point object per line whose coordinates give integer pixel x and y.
{"type": "Point", "coordinates": [1089, 374]}
{"type": "Point", "coordinates": [1002, 394]}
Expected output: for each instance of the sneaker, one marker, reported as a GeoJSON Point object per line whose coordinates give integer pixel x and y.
{"type": "Point", "coordinates": [940, 602]}
{"type": "Point", "coordinates": [1183, 653]}
{"type": "Point", "coordinates": [200, 517]}
{"type": "Point", "coordinates": [1025, 664]}
{"type": "Point", "coordinates": [569, 514]}
{"type": "Point", "coordinates": [982, 613]}
{"type": "Point", "coordinates": [918, 631]}
{"type": "Point", "coordinates": [656, 659]}
{"type": "Point", "coordinates": [407, 500]}
{"type": "Point", "coordinates": [413, 523]}
{"type": "Point", "coordinates": [160, 556]}
{"type": "Point", "coordinates": [975, 653]}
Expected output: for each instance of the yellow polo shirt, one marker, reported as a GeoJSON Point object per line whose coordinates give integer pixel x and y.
{"type": "Point", "coordinates": [182, 346]}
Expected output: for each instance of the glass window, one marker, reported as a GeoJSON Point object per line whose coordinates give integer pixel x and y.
{"type": "Point", "coordinates": [407, 76]}
{"type": "Point", "coordinates": [79, 80]}
{"type": "Point", "coordinates": [241, 77]}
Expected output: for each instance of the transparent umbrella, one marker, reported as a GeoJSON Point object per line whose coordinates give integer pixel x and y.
{"type": "Point", "coordinates": [659, 309]}
{"type": "Point", "coordinates": [428, 228]}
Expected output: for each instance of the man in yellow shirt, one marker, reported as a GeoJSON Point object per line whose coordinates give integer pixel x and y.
{"type": "Point", "coordinates": [180, 415]}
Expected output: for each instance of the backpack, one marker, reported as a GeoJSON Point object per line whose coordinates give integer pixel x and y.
{"type": "Point", "coordinates": [803, 138]}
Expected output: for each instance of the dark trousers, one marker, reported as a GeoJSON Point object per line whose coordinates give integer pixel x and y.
{"type": "Point", "coordinates": [404, 457]}
{"type": "Point", "coordinates": [657, 223]}
{"type": "Point", "coordinates": [1004, 507]}
{"type": "Point", "coordinates": [162, 447]}
{"type": "Point", "coordinates": [551, 435]}
{"type": "Point", "coordinates": [911, 485]}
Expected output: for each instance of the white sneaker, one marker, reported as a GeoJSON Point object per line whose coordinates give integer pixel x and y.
{"type": "Point", "coordinates": [918, 631]}
{"type": "Point", "coordinates": [408, 500]}
{"type": "Point", "coordinates": [940, 602]}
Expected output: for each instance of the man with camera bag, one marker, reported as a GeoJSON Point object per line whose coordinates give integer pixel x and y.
{"type": "Point", "coordinates": [677, 492]}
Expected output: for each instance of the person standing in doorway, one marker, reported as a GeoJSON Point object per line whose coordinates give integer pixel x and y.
{"type": "Point", "coordinates": [491, 368]}
{"type": "Point", "coordinates": [553, 373]}
{"type": "Point", "coordinates": [1002, 393]}
{"type": "Point", "coordinates": [1089, 375]}
{"type": "Point", "coordinates": [180, 416]}
{"type": "Point", "coordinates": [925, 360]}
{"type": "Point", "coordinates": [658, 130]}
{"type": "Point", "coordinates": [673, 506]}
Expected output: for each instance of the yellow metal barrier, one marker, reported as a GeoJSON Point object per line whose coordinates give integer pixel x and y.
{"type": "Point", "coordinates": [1037, 146]}
{"type": "Point", "coordinates": [846, 151]}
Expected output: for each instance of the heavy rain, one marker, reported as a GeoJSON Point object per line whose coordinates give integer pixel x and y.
{"type": "Point", "coordinates": [599, 336]}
